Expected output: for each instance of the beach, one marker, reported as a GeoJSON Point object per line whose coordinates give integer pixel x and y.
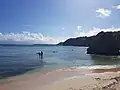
{"type": "Point", "coordinates": [59, 45]}
{"type": "Point", "coordinates": [65, 79]}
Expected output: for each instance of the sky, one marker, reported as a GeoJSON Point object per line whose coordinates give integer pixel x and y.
{"type": "Point", "coordinates": [53, 21]}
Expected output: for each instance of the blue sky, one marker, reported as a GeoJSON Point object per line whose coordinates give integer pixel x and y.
{"type": "Point", "coordinates": [51, 21]}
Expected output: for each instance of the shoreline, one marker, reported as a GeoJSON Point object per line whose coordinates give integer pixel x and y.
{"type": "Point", "coordinates": [44, 79]}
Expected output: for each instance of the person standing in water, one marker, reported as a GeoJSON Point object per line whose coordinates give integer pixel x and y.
{"type": "Point", "coordinates": [41, 55]}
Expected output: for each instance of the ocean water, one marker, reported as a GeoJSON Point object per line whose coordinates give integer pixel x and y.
{"type": "Point", "coordinates": [16, 60]}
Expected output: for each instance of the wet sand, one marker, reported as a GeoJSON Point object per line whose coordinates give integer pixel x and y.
{"type": "Point", "coordinates": [105, 70]}
{"type": "Point", "coordinates": [64, 79]}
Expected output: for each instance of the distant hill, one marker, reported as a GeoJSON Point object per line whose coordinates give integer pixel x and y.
{"type": "Point", "coordinates": [79, 41]}
{"type": "Point", "coordinates": [104, 43]}
{"type": "Point", "coordinates": [44, 44]}
{"type": "Point", "coordinates": [61, 43]}
{"type": "Point", "coordinates": [27, 44]}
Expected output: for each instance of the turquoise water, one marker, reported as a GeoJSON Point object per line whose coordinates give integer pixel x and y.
{"type": "Point", "coordinates": [15, 60]}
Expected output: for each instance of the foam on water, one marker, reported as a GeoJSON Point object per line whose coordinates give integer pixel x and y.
{"type": "Point", "coordinates": [87, 68]}
{"type": "Point", "coordinates": [97, 67]}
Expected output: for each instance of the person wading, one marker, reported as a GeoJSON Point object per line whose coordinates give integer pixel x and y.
{"type": "Point", "coordinates": [40, 55]}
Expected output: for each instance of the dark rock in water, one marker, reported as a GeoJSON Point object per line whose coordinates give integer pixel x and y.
{"type": "Point", "coordinates": [102, 52]}
{"type": "Point", "coordinates": [105, 44]}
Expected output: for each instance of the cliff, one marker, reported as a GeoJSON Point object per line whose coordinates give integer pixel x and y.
{"type": "Point", "coordinates": [104, 43]}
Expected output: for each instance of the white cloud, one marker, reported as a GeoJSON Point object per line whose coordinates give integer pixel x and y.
{"type": "Point", "coordinates": [95, 31]}
{"type": "Point", "coordinates": [116, 7]}
{"type": "Point", "coordinates": [63, 28]}
{"type": "Point", "coordinates": [28, 37]}
{"type": "Point", "coordinates": [79, 29]}
{"type": "Point", "coordinates": [102, 13]}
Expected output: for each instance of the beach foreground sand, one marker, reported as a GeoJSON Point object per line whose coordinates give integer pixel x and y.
{"type": "Point", "coordinates": [106, 81]}
{"type": "Point", "coordinates": [64, 80]}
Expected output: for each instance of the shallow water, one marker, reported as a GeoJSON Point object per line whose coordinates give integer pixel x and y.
{"type": "Point", "coordinates": [15, 60]}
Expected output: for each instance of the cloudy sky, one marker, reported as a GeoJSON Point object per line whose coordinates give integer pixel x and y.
{"type": "Point", "coordinates": [51, 21]}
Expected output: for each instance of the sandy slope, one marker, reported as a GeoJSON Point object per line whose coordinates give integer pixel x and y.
{"type": "Point", "coordinates": [63, 80]}
{"type": "Point", "coordinates": [107, 81]}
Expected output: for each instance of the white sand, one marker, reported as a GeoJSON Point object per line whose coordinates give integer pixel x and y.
{"type": "Point", "coordinates": [63, 80]}
{"type": "Point", "coordinates": [105, 81]}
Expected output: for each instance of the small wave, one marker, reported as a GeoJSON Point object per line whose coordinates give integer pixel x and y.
{"type": "Point", "coordinates": [84, 68]}
{"type": "Point", "coordinates": [97, 67]}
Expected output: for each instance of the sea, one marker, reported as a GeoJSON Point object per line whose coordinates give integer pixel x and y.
{"type": "Point", "coordinates": [20, 59]}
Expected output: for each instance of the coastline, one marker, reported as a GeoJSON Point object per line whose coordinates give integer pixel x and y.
{"type": "Point", "coordinates": [63, 79]}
